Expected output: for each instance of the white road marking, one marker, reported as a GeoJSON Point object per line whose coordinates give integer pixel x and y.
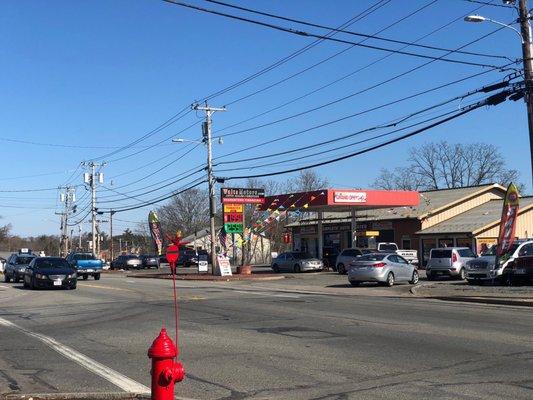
{"type": "Point", "coordinates": [131, 281]}
{"type": "Point", "coordinates": [116, 378]}
{"type": "Point", "coordinates": [4, 287]}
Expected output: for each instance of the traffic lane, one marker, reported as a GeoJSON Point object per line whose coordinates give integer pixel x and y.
{"type": "Point", "coordinates": [252, 343]}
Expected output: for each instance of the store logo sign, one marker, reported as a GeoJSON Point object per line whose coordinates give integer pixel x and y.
{"type": "Point", "coordinates": [349, 197]}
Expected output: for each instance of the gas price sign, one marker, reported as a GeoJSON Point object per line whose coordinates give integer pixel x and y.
{"type": "Point", "coordinates": [233, 218]}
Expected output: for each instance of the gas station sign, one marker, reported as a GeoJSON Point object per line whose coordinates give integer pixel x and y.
{"type": "Point", "coordinates": [233, 218]}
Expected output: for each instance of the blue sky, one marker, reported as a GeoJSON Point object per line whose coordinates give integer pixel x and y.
{"type": "Point", "coordinates": [97, 75]}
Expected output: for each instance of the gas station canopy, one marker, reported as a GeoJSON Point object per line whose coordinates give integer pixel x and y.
{"type": "Point", "coordinates": [341, 200]}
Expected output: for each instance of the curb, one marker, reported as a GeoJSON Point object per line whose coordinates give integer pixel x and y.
{"type": "Point", "coordinates": [210, 278]}
{"type": "Point", "coordinates": [83, 396]}
{"type": "Point", "coordinates": [481, 300]}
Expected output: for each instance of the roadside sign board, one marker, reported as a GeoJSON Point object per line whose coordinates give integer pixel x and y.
{"type": "Point", "coordinates": [233, 218]}
{"type": "Point", "coordinates": [223, 265]}
{"type": "Point", "coordinates": [242, 195]}
{"type": "Point", "coordinates": [233, 208]}
{"type": "Point", "coordinates": [234, 228]}
{"type": "Point", "coordinates": [202, 263]}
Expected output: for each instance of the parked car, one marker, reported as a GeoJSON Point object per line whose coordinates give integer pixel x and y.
{"type": "Point", "coordinates": [163, 259]}
{"type": "Point", "coordinates": [295, 261]}
{"type": "Point", "coordinates": [50, 272]}
{"type": "Point", "coordinates": [16, 266]}
{"type": "Point", "coordinates": [86, 265]}
{"type": "Point", "coordinates": [345, 258]}
{"type": "Point", "coordinates": [150, 261]}
{"type": "Point", "coordinates": [127, 261]}
{"type": "Point", "coordinates": [488, 267]}
{"type": "Point", "coordinates": [449, 261]}
{"type": "Point", "coordinates": [521, 270]}
{"type": "Point", "coordinates": [2, 264]}
{"type": "Point", "coordinates": [409, 255]}
{"type": "Point", "coordinates": [187, 257]}
{"type": "Point", "coordinates": [384, 268]}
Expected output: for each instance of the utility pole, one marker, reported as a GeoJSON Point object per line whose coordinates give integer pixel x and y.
{"type": "Point", "coordinates": [525, 29]}
{"type": "Point", "coordinates": [79, 239]}
{"type": "Point", "coordinates": [111, 234]}
{"type": "Point", "coordinates": [92, 178]}
{"type": "Point", "coordinates": [67, 197]}
{"type": "Point", "coordinates": [206, 132]}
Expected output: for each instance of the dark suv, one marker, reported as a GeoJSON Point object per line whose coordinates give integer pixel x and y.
{"type": "Point", "coordinates": [16, 266]}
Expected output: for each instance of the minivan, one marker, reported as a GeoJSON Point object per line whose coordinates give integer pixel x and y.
{"type": "Point", "coordinates": [448, 261]}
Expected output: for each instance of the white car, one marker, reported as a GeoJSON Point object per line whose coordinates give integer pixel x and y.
{"type": "Point", "coordinates": [2, 264]}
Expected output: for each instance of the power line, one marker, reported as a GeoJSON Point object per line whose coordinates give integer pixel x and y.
{"type": "Point", "coordinates": [492, 100]}
{"type": "Point", "coordinates": [312, 35]}
{"type": "Point", "coordinates": [460, 18]}
{"type": "Point", "coordinates": [368, 36]}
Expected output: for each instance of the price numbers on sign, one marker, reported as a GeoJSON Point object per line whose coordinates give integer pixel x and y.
{"type": "Point", "coordinates": [233, 218]}
{"type": "Point", "coordinates": [233, 228]}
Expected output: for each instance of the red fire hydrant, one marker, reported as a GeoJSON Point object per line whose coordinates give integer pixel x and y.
{"type": "Point", "coordinates": [165, 371]}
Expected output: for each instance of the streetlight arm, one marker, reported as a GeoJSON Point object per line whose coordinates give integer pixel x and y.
{"type": "Point", "coordinates": [506, 26]}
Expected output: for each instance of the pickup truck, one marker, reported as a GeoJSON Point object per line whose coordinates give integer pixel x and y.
{"type": "Point", "coordinates": [409, 255]}
{"type": "Point", "coordinates": [86, 264]}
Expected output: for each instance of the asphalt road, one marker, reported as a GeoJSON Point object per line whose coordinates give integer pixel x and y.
{"type": "Point", "coordinates": [268, 340]}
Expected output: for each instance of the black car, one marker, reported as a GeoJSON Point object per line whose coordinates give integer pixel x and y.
{"type": "Point", "coordinates": [127, 261]}
{"type": "Point", "coordinates": [150, 260]}
{"type": "Point", "coordinates": [50, 272]}
{"type": "Point", "coordinates": [16, 266]}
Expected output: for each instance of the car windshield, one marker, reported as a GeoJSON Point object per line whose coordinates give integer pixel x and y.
{"type": "Point", "coordinates": [301, 256]}
{"type": "Point", "coordinates": [436, 253]}
{"type": "Point", "coordinates": [132, 257]}
{"type": "Point", "coordinates": [492, 250]}
{"type": "Point", "coordinates": [372, 257]}
{"type": "Point", "coordinates": [51, 263]}
{"type": "Point", "coordinates": [87, 256]}
{"type": "Point", "coordinates": [388, 247]}
{"type": "Point", "coordinates": [23, 260]}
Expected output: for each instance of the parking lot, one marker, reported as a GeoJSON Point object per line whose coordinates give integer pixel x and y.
{"type": "Point", "coordinates": [310, 335]}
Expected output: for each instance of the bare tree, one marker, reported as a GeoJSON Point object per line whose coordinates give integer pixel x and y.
{"type": "Point", "coordinates": [444, 165]}
{"type": "Point", "coordinates": [188, 212]}
{"type": "Point", "coordinates": [306, 181]}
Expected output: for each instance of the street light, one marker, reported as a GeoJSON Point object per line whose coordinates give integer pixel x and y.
{"type": "Point", "coordinates": [480, 18]}
{"type": "Point", "coordinates": [525, 39]}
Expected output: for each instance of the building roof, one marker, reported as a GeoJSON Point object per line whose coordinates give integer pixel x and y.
{"type": "Point", "coordinates": [476, 219]}
{"type": "Point", "coordinates": [431, 201]}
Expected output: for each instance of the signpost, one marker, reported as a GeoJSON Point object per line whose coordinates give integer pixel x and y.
{"type": "Point", "coordinates": [233, 218]}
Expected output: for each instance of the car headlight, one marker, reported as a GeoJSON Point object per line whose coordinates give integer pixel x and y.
{"type": "Point", "coordinates": [40, 276]}
{"type": "Point", "coordinates": [74, 275]}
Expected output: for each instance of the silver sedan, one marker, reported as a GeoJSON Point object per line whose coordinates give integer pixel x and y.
{"type": "Point", "coordinates": [295, 261]}
{"type": "Point", "coordinates": [382, 268]}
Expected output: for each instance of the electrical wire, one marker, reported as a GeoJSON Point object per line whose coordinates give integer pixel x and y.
{"type": "Point", "coordinates": [368, 36]}
{"type": "Point", "coordinates": [460, 18]}
{"type": "Point", "coordinates": [492, 100]}
{"type": "Point", "coordinates": [313, 35]}
{"type": "Point", "coordinates": [371, 109]}
{"type": "Point", "coordinates": [359, 92]}
{"type": "Point", "coordinates": [327, 59]}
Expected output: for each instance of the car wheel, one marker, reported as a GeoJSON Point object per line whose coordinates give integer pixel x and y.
{"type": "Point", "coordinates": [7, 279]}
{"type": "Point", "coordinates": [430, 276]}
{"type": "Point", "coordinates": [275, 268]}
{"type": "Point", "coordinates": [297, 268]}
{"type": "Point", "coordinates": [472, 281]}
{"type": "Point", "coordinates": [72, 287]}
{"type": "Point", "coordinates": [16, 279]}
{"type": "Point", "coordinates": [96, 277]}
{"type": "Point", "coordinates": [32, 283]}
{"type": "Point", "coordinates": [462, 274]}
{"type": "Point", "coordinates": [390, 279]}
{"type": "Point", "coordinates": [355, 283]}
{"type": "Point", "coordinates": [340, 269]}
{"type": "Point", "coordinates": [414, 278]}
{"type": "Point", "coordinates": [24, 283]}
{"type": "Point", "coordinates": [85, 277]}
